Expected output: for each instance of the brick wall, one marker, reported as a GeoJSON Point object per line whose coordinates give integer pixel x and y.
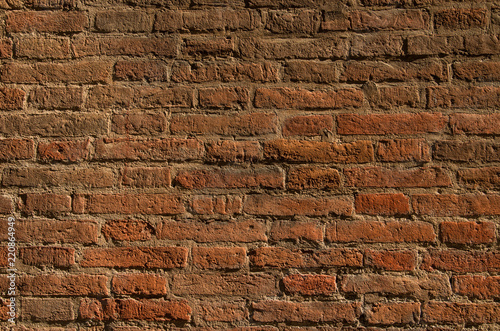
{"type": "Point", "coordinates": [251, 164]}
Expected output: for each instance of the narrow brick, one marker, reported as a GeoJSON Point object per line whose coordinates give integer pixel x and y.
{"type": "Point", "coordinates": [461, 18]}
{"type": "Point", "coordinates": [145, 176]}
{"type": "Point", "coordinates": [139, 123]}
{"type": "Point", "coordinates": [484, 71]}
{"type": "Point", "coordinates": [467, 232]}
{"type": "Point", "coordinates": [229, 151]}
{"type": "Point", "coordinates": [456, 205]}
{"type": "Point", "coordinates": [209, 46]}
{"type": "Point", "coordinates": [300, 178]}
{"type": "Point", "coordinates": [216, 204]}
{"type": "Point", "coordinates": [16, 149]}
{"type": "Point", "coordinates": [309, 284]}
{"type": "Point", "coordinates": [390, 20]}
{"type": "Point", "coordinates": [57, 97]}
{"type": "Point", "coordinates": [475, 124]}
{"type": "Point", "coordinates": [376, 45]}
{"type": "Point", "coordinates": [308, 125]}
{"type": "Point", "coordinates": [391, 260]}
{"type": "Point", "coordinates": [42, 48]}
{"type": "Point", "coordinates": [310, 231]}
{"type": "Point", "coordinates": [47, 256]}
{"type": "Point", "coordinates": [224, 97]}
{"type": "Point", "coordinates": [482, 97]}
{"type": "Point", "coordinates": [46, 203]}
{"type": "Point", "coordinates": [48, 309]}
{"type": "Point", "coordinates": [135, 257]}
{"type": "Point", "coordinates": [254, 285]}
{"type": "Point", "coordinates": [64, 150]}
{"type": "Point", "coordinates": [389, 177]}
{"type": "Point", "coordinates": [64, 285]}
{"type": "Point", "coordinates": [467, 151]}
{"type": "Point", "coordinates": [51, 21]}
{"type": "Point", "coordinates": [123, 21]}
{"type": "Point", "coordinates": [477, 286]}
{"type": "Point", "coordinates": [403, 150]}
{"type": "Point", "coordinates": [150, 70]}
{"type": "Point", "coordinates": [139, 284]}
{"type": "Point", "coordinates": [300, 22]}
{"type": "Point", "coordinates": [464, 313]}
{"type": "Point", "coordinates": [125, 45]}
{"type": "Point", "coordinates": [486, 177]}
{"type": "Point", "coordinates": [127, 230]}
{"type": "Point", "coordinates": [434, 45]}
{"type": "Point", "coordinates": [461, 261]}
{"type": "Point", "coordinates": [216, 311]}
{"type": "Point", "coordinates": [312, 71]}
{"type": "Point", "coordinates": [219, 257]}
{"type": "Point", "coordinates": [382, 204]}
{"type": "Point", "coordinates": [394, 313]}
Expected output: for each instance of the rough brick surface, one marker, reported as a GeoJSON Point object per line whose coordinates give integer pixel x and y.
{"type": "Point", "coordinates": [250, 165]}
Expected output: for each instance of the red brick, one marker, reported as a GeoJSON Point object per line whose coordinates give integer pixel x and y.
{"type": "Point", "coordinates": [402, 150]}
{"type": "Point", "coordinates": [207, 20]}
{"type": "Point", "coordinates": [55, 231]}
{"type": "Point", "coordinates": [305, 284]}
{"type": "Point", "coordinates": [394, 313]}
{"type": "Point", "coordinates": [79, 72]}
{"type": "Point", "coordinates": [312, 71]}
{"type": "Point", "coordinates": [219, 257]}
{"type": "Point", "coordinates": [129, 230]}
{"type": "Point", "coordinates": [284, 4]}
{"type": "Point", "coordinates": [219, 231]}
{"type": "Point", "coordinates": [285, 311]}
{"type": "Point", "coordinates": [461, 261]}
{"type": "Point", "coordinates": [463, 313]}
{"type": "Point", "coordinates": [50, 4]}
{"type": "Point", "coordinates": [166, 149]}
{"type": "Point", "coordinates": [363, 71]}
{"type": "Point", "coordinates": [300, 22]}
{"type": "Point", "coordinates": [377, 45]}
{"type": "Point", "coordinates": [391, 260]}
{"type": "Point", "coordinates": [123, 21]}
{"type": "Point", "coordinates": [209, 46]}
{"type": "Point", "coordinates": [467, 151]}
{"type": "Point", "coordinates": [215, 311]}
{"type": "Point", "coordinates": [5, 48]}
{"type": "Point", "coordinates": [391, 123]}
{"type": "Point", "coordinates": [154, 70]}
{"type": "Point", "coordinates": [43, 48]}
{"type": "Point", "coordinates": [227, 125]}
{"type": "Point", "coordinates": [132, 309]}
{"type": "Point", "coordinates": [390, 177]}
{"type": "Point", "coordinates": [132, 46]}
{"type": "Point", "coordinates": [11, 99]}
{"type": "Point", "coordinates": [16, 149]}
{"type": "Point", "coordinates": [48, 309]}
{"type": "Point", "coordinates": [310, 231]}
{"type": "Point", "coordinates": [46, 203]}
{"type": "Point", "coordinates": [139, 123]}
{"type": "Point", "coordinates": [303, 151]}
{"type": "Point", "coordinates": [380, 231]}
{"type": "Point", "coordinates": [434, 45]}
{"type": "Point", "coordinates": [335, 21]}
{"type": "Point", "coordinates": [147, 203]}
{"type": "Point", "coordinates": [57, 97]}
{"type": "Point", "coordinates": [467, 232]}
{"type": "Point", "coordinates": [139, 284]}
{"type": "Point", "coordinates": [482, 97]}
{"type": "Point", "coordinates": [127, 257]}
{"type": "Point", "coordinates": [254, 285]}
{"type": "Point", "coordinates": [487, 177]}
{"type": "Point", "coordinates": [146, 176]}
{"type": "Point", "coordinates": [475, 124]}
{"type": "Point", "coordinates": [390, 97]}
{"type": "Point", "coordinates": [230, 178]}
{"type": "Point", "coordinates": [456, 205]}
{"type": "Point", "coordinates": [5, 205]}
{"type": "Point", "coordinates": [476, 286]}
{"type": "Point", "coordinates": [461, 18]}
{"type": "Point", "coordinates": [382, 204]}
{"type": "Point", "coordinates": [286, 48]}
{"type": "Point", "coordinates": [423, 288]}
{"type": "Point", "coordinates": [309, 125]}
{"type": "Point", "coordinates": [288, 98]}
{"type": "Point", "coordinates": [218, 204]}
{"type": "Point", "coordinates": [47, 256]}
{"type": "Point", "coordinates": [64, 285]}
{"type": "Point", "coordinates": [278, 257]}
{"type": "Point", "coordinates": [482, 44]}
{"type": "Point", "coordinates": [229, 151]}
{"type": "Point", "coordinates": [300, 178]}
{"type": "Point", "coordinates": [225, 72]}
{"type": "Point", "coordinates": [42, 176]}
{"type": "Point", "coordinates": [488, 71]}
{"type": "Point", "coordinates": [56, 22]}
{"type": "Point", "coordinates": [263, 204]}
{"type": "Point", "coordinates": [397, 19]}
{"type": "Point", "coordinates": [64, 150]}
{"type": "Point", "coordinates": [224, 97]}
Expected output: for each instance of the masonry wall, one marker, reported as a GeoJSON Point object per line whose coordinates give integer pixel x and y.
{"type": "Point", "coordinates": [251, 164]}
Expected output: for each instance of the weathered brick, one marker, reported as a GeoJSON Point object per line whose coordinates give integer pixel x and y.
{"type": "Point", "coordinates": [484, 71]}
{"type": "Point", "coordinates": [224, 97]}
{"type": "Point", "coordinates": [149, 70]}
{"type": "Point", "coordinates": [229, 151]}
{"type": "Point", "coordinates": [224, 284]}
{"type": "Point", "coordinates": [308, 125]}
{"type": "Point", "coordinates": [50, 4]}
{"type": "Point", "coordinates": [486, 177]}
{"type": "Point", "coordinates": [146, 176]}
{"type": "Point", "coordinates": [263, 204]}
{"type": "Point", "coordinates": [139, 123]}
{"type": "Point", "coordinates": [300, 22]}
{"type": "Point", "coordinates": [63, 285]}
{"type": "Point", "coordinates": [149, 203]}
{"type": "Point", "coordinates": [123, 21]}
{"type": "Point", "coordinates": [219, 257]}
{"type": "Point", "coordinates": [46, 203]}
{"type": "Point", "coordinates": [434, 45]}
{"type": "Point", "coordinates": [48, 309]}
{"type": "Point", "coordinates": [11, 99]}
{"type": "Point", "coordinates": [467, 232]}
{"type": "Point", "coordinates": [461, 18]}
{"type": "Point", "coordinates": [461, 261]}
{"type": "Point", "coordinates": [139, 284]}
{"type": "Point", "coordinates": [56, 97]}
{"type": "Point", "coordinates": [284, 311]}
{"type": "Point", "coordinates": [16, 149]}
{"type": "Point", "coordinates": [278, 257]}
{"type": "Point", "coordinates": [475, 124]}
{"type": "Point", "coordinates": [380, 231]}
{"type": "Point", "coordinates": [482, 44]}
{"type": "Point", "coordinates": [47, 256]}
{"type": "Point", "coordinates": [310, 231]}
{"type": "Point", "coordinates": [384, 124]}
{"type": "Point", "coordinates": [477, 286]}
{"type": "Point", "coordinates": [389, 177]}
{"type": "Point", "coordinates": [230, 178]}
{"type": "Point", "coordinates": [463, 313]}
{"type": "Point", "coordinates": [303, 151]}
{"type": "Point", "coordinates": [456, 205]}
{"type": "Point", "coordinates": [129, 230]}
{"type": "Point", "coordinates": [398, 19]}
{"type": "Point", "coordinates": [425, 287]}
{"type": "Point", "coordinates": [217, 204]}
{"type": "Point", "coordinates": [167, 149]}
{"type": "Point", "coordinates": [482, 97]}
{"type": "Point", "coordinates": [382, 204]}
{"type": "Point", "coordinates": [215, 311]}
{"type": "Point", "coordinates": [227, 125]}
{"type": "Point", "coordinates": [43, 48]}
{"type": "Point", "coordinates": [300, 178]}
{"type": "Point", "coordinates": [212, 45]}
{"type": "Point", "coordinates": [132, 46]}
{"type": "Point", "coordinates": [403, 150]}
{"type": "Point", "coordinates": [467, 151]}
{"type": "Point", "coordinates": [220, 231]}
{"type": "Point", "coordinates": [308, 284]}
{"type": "Point", "coordinates": [5, 48]}
{"type": "Point", "coordinates": [312, 71]}
{"type": "Point", "coordinates": [64, 150]}
{"type": "Point", "coordinates": [135, 257]}
{"type": "Point", "coordinates": [377, 45]}
{"type": "Point", "coordinates": [394, 313]}
{"type": "Point", "coordinates": [52, 21]}
{"type": "Point", "coordinates": [391, 260]}
{"type": "Point", "coordinates": [6, 206]}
